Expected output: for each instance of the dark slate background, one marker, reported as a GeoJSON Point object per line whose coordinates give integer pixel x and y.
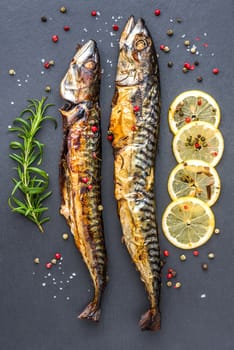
{"type": "Point", "coordinates": [30, 318]}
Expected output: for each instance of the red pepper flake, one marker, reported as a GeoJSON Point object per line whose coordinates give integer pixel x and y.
{"type": "Point", "coordinates": [55, 38]}
{"type": "Point", "coordinates": [85, 180]}
{"type": "Point", "coordinates": [57, 256]}
{"type": "Point", "coordinates": [197, 145]}
{"type": "Point", "coordinates": [90, 187]}
{"type": "Point", "coordinates": [157, 12]}
{"type": "Point", "coordinates": [192, 67]}
{"type": "Point", "coordinates": [215, 71]}
{"type": "Point", "coordinates": [94, 13]}
{"type": "Point", "coordinates": [187, 120]}
{"type": "Point", "coordinates": [169, 275]}
{"type": "Point", "coordinates": [66, 28]}
{"type": "Point", "coordinates": [49, 265]}
{"type": "Point", "coordinates": [195, 253]}
{"type": "Point", "coordinates": [94, 128]}
{"type": "Point", "coordinates": [166, 253]}
{"type": "Point", "coordinates": [162, 47]}
{"type": "Point", "coordinates": [199, 102]}
{"type": "Point", "coordinates": [186, 207]}
{"type": "Point", "coordinates": [136, 108]}
{"type": "Point", "coordinates": [214, 154]}
{"type": "Point", "coordinates": [134, 128]}
{"type": "Point", "coordinates": [115, 27]}
{"type": "Point", "coordinates": [205, 45]}
{"type": "Point", "coordinates": [47, 65]}
{"type": "Point", "coordinates": [197, 38]}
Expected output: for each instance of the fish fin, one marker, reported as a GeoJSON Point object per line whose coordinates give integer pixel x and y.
{"type": "Point", "coordinates": [150, 320]}
{"type": "Point", "coordinates": [91, 312]}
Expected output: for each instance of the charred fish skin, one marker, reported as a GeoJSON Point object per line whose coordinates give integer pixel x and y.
{"type": "Point", "coordinates": [134, 124]}
{"type": "Point", "coordinates": [80, 166]}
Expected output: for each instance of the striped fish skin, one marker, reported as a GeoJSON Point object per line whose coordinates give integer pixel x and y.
{"type": "Point", "coordinates": [80, 166]}
{"type": "Point", "coordinates": [134, 124]}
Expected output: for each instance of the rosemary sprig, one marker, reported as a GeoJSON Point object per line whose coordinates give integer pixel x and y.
{"type": "Point", "coordinates": [30, 186]}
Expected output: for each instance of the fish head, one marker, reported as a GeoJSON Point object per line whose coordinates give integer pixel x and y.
{"type": "Point", "coordinates": [137, 57]}
{"type": "Point", "coordinates": [82, 80]}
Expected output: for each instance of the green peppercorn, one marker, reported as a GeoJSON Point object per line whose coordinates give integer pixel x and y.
{"type": "Point", "coordinates": [170, 64]}
{"type": "Point", "coordinates": [170, 32]}
{"type": "Point", "coordinates": [178, 285]}
{"type": "Point", "coordinates": [44, 19]}
{"type": "Point", "coordinates": [65, 236]}
{"type": "Point", "coordinates": [204, 266]}
{"type": "Point", "coordinates": [183, 257]}
{"type": "Point", "coordinates": [47, 88]}
{"type": "Point", "coordinates": [63, 9]}
{"type": "Point", "coordinates": [166, 49]}
{"type": "Point", "coordinates": [11, 71]}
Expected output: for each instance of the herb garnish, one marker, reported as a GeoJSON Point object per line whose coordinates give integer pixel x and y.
{"type": "Point", "coordinates": [31, 184]}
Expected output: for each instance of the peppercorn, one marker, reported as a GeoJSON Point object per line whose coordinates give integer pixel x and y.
{"type": "Point", "coordinates": [66, 28]}
{"type": "Point", "coordinates": [170, 32]}
{"type": "Point", "coordinates": [36, 261]}
{"type": "Point", "coordinates": [63, 9]}
{"type": "Point", "coordinates": [166, 253]}
{"type": "Point", "coordinates": [193, 50]}
{"type": "Point", "coordinates": [215, 71]}
{"type": "Point", "coordinates": [179, 20]}
{"type": "Point", "coordinates": [44, 19]}
{"type": "Point", "coordinates": [169, 283]}
{"type": "Point", "coordinates": [195, 252]}
{"type": "Point", "coordinates": [100, 207]}
{"type": "Point", "coordinates": [166, 49]}
{"type": "Point", "coordinates": [54, 261]}
{"type": "Point", "coordinates": [199, 79]}
{"type": "Point", "coordinates": [186, 42]}
{"type": "Point", "coordinates": [47, 88]}
{"type": "Point", "coordinates": [196, 63]}
{"type": "Point", "coordinates": [157, 12]}
{"type": "Point", "coordinates": [52, 62]}
{"type": "Point", "coordinates": [65, 236]}
{"type": "Point", "coordinates": [57, 256]}
{"type": "Point", "coordinates": [183, 257]}
{"type": "Point", "coordinates": [11, 71]}
{"type": "Point", "coordinates": [170, 64]}
{"type": "Point", "coordinates": [211, 256]}
{"type": "Point", "coordinates": [185, 70]}
{"type": "Point", "coordinates": [55, 38]}
{"type": "Point", "coordinates": [204, 267]}
{"type": "Point", "coordinates": [217, 231]}
{"type": "Point", "coordinates": [178, 285]}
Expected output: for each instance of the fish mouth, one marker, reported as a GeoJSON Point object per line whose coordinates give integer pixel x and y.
{"type": "Point", "coordinates": [131, 29]}
{"type": "Point", "coordinates": [86, 51]}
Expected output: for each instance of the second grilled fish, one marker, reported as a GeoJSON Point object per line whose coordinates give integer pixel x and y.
{"type": "Point", "coordinates": [134, 125]}
{"type": "Point", "coordinates": [80, 166]}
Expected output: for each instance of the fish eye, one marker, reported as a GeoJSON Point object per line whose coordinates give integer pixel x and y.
{"type": "Point", "coordinates": [140, 44]}
{"type": "Point", "coordinates": [90, 65]}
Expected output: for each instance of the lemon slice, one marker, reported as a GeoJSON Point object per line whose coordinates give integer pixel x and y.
{"type": "Point", "coordinates": [194, 178]}
{"type": "Point", "coordinates": [188, 223]}
{"type": "Point", "coordinates": [198, 140]}
{"type": "Point", "coordinates": [193, 105]}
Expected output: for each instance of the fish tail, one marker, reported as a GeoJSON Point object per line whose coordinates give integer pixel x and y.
{"type": "Point", "coordinates": [91, 312]}
{"type": "Point", "coordinates": [150, 320]}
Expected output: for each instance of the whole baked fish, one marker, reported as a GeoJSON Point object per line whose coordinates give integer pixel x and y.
{"type": "Point", "coordinates": [134, 126]}
{"type": "Point", "coordinates": [81, 165]}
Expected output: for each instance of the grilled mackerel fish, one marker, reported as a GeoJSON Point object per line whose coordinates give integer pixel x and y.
{"type": "Point", "coordinates": [134, 126]}
{"type": "Point", "coordinates": [80, 166]}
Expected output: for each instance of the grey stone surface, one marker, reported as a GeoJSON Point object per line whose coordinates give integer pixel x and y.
{"type": "Point", "coordinates": [30, 318]}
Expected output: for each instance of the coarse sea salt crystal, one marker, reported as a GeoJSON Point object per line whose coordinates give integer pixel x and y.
{"type": "Point", "coordinates": [203, 296]}
{"type": "Point", "coordinates": [12, 102]}
{"type": "Point", "coordinates": [43, 284]}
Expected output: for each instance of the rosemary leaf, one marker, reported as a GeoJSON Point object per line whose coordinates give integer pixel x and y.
{"type": "Point", "coordinates": [30, 187]}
